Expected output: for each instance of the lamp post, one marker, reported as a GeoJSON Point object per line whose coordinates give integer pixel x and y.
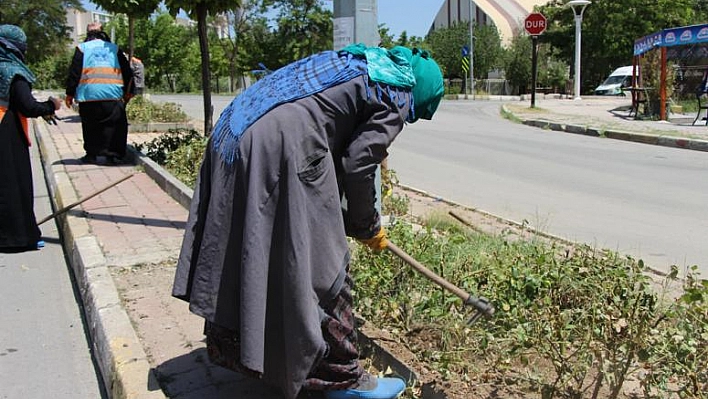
{"type": "Point", "coordinates": [471, 50]}
{"type": "Point", "coordinates": [578, 7]}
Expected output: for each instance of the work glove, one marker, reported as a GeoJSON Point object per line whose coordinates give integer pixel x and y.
{"type": "Point", "coordinates": [68, 101]}
{"type": "Point", "coordinates": [378, 242]}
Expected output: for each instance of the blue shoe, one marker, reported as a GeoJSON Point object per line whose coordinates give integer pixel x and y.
{"type": "Point", "coordinates": [386, 388]}
{"type": "Point", "coordinates": [40, 244]}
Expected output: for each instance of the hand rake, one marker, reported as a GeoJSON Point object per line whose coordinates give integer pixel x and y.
{"type": "Point", "coordinates": [481, 304]}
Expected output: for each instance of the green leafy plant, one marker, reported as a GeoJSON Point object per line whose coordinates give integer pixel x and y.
{"type": "Point", "coordinates": [141, 109]}
{"type": "Point", "coordinates": [160, 148]}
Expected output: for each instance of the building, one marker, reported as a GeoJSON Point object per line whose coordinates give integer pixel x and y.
{"type": "Point", "coordinates": [78, 21]}
{"type": "Point", "coordinates": [507, 15]}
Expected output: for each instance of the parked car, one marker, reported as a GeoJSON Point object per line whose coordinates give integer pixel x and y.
{"type": "Point", "coordinates": [612, 86]}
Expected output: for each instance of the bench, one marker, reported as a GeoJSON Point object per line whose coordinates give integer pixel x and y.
{"type": "Point", "coordinates": [639, 97]}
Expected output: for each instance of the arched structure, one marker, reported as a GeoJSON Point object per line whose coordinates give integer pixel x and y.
{"type": "Point", "coordinates": [506, 15]}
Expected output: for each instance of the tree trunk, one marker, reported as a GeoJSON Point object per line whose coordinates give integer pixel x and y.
{"type": "Point", "coordinates": [206, 79]}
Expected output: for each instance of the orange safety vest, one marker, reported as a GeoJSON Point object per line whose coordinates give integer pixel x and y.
{"type": "Point", "coordinates": [23, 120]}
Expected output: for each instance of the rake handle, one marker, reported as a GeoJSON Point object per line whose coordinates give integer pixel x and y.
{"type": "Point", "coordinates": [95, 193]}
{"type": "Point", "coordinates": [427, 272]}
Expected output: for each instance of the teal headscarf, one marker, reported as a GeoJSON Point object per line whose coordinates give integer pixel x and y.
{"type": "Point", "coordinates": [429, 88]}
{"type": "Point", "coordinates": [13, 44]}
{"type": "Point", "coordinates": [405, 68]}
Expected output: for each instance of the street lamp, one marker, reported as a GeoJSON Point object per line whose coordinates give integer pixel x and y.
{"type": "Point", "coordinates": [471, 49]}
{"type": "Point", "coordinates": [578, 7]}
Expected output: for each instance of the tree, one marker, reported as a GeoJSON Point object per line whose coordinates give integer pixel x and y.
{"type": "Point", "coordinates": [165, 47]}
{"type": "Point", "coordinates": [304, 28]}
{"type": "Point", "coordinates": [517, 63]}
{"type": "Point", "coordinates": [133, 9]}
{"type": "Point", "coordinates": [242, 22]}
{"type": "Point", "coordinates": [388, 40]}
{"type": "Point", "coordinates": [199, 9]}
{"type": "Point", "coordinates": [487, 50]}
{"type": "Point", "coordinates": [44, 23]}
{"type": "Point", "coordinates": [256, 44]}
{"type": "Point", "coordinates": [446, 47]}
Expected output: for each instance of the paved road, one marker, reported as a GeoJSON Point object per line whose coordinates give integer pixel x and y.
{"type": "Point", "coordinates": [44, 349]}
{"type": "Point", "coordinates": [642, 200]}
{"type": "Point", "coordinates": [645, 201]}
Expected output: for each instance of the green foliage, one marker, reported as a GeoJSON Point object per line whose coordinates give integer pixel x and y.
{"type": "Point", "coordinates": [184, 162]}
{"type": "Point", "coordinates": [388, 40]}
{"type": "Point", "coordinates": [391, 203]}
{"type": "Point", "coordinates": [140, 109]}
{"type": "Point", "coordinates": [569, 323]}
{"type": "Point", "coordinates": [446, 46]}
{"type": "Point", "coordinates": [552, 73]}
{"type": "Point", "coordinates": [131, 8]}
{"type": "Point", "coordinates": [44, 23]}
{"type": "Point", "coordinates": [51, 71]}
{"type": "Point", "coordinates": [161, 148]}
{"type": "Point", "coordinates": [168, 50]}
{"type": "Point", "coordinates": [678, 356]}
{"type": "Point", "coordinates": [304, 28]}
{"type": "Point", "coordinates": [488, 51]}
{"type": "Point", "coordinates": [517, 65]}
{"type": "Point", "coordinates": [650, 65]}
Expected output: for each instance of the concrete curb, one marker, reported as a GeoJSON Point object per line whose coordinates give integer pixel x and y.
{"type": "Point", "coordinates": [122, 361]}
{"type": "Point", "coordinates": [140, 127]}
{"type": "Point", "coordinates": [662, 140]}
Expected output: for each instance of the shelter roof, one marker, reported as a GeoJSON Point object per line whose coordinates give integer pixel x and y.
{"type": "Point", "coordinates": [679, 36]}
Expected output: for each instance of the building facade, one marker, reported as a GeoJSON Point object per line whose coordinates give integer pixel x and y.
{"type": "Point", "coordinates": [507, 15]}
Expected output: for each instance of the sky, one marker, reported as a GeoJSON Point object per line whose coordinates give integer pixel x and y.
{"type": "Point", "coordinates": [412, 16]}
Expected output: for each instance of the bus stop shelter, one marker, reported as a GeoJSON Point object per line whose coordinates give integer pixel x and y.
{"type": "Point", "coordinates": [685, 45]}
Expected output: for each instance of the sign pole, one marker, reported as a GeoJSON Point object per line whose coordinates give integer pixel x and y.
{"type": "Point", "coordinates": [535, 24]}
{"type": "Point", "coordinates": [534, 64]}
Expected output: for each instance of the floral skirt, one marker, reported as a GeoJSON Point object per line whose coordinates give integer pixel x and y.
{"type": "Point", "coordinates": [339, 368]}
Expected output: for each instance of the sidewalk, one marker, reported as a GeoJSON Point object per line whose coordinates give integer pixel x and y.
{"type": "Point", "coordinates": [123, 244]}
{"type": "Point", "coordinates": [608, 117]}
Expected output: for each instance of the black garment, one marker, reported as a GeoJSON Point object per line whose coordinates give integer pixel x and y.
{"type": "Point", "coordinates": [18, 226]}
{"type": "Point", "coordinates": [104, 127]}
{"type": "Point", "coordinates": [104, 124]}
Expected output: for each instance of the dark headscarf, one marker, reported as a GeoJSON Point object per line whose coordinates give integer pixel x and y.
{"type": "Point", "coordinates": [13, 44]}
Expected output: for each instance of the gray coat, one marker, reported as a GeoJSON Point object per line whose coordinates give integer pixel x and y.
{"type": "Point", "coordinates": [265, 241]}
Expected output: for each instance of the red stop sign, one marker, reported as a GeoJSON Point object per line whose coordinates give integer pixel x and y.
{"type": "Point", "coordinates": [535, 23]}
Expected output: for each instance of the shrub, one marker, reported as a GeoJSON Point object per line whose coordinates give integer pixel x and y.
{"type": "Point", "coordinates": [141, 109]}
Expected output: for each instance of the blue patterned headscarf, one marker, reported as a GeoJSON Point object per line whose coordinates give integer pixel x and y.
{"type": "Point", "coordinates": [13, 44]}
{"type": "Point", "coordinates": [294, 81]}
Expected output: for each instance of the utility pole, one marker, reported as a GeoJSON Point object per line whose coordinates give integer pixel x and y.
{"type": "Point", "coordinates": [472, 23]}
{"type": "Point", "coordinates": [357, 21]}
